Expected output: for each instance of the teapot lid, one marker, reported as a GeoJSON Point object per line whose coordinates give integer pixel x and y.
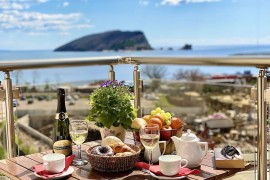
{"type": "Point", "coordinates": [189, 136]}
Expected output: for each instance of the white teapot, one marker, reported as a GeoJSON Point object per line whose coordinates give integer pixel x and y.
{"type": "Point", "coordinates": [189, 148]}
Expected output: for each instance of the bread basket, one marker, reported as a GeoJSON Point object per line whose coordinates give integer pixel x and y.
{"type": "Point", "coordinates": [113, 163]}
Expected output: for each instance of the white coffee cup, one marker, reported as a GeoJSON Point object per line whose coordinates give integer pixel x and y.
{"type": "Point", "coordinates": [171, 164]}
{"type": "Point", "coordinates": [54, 163]}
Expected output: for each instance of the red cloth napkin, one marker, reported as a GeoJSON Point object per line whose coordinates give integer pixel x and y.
{"type": "Point", "coordinates": [156, 169]}
{"type": "Point", "coordinates": [39, 169]}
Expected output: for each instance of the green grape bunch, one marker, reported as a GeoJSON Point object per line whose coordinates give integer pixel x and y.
{"type": "Point", "coordinates": [166, 115]}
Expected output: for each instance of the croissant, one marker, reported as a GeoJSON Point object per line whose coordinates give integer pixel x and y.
{"type": "Point", "coordinates": [120, 148]}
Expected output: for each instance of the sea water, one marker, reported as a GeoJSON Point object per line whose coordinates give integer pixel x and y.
{"type": "Point", "coordinates": [124, 72]}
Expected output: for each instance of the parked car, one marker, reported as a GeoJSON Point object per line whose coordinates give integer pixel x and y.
{"type": "Point", "coordinates": [40, 98]}
{"type": "Point", "coordinates": [23, 97]}
{"type": "Point", "coordinates": [15, 103]}
{"type": "Point", "coordinates": [151, 97]}
{"type": "Point", "coordinates": [30, 100]}
{"type": "Point", "coordinates": [71, 101]}
{"type": "Point", "coordinates": [68, 98]}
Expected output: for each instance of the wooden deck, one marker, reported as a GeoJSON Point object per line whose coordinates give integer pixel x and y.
{"type": "Point", "coordinates": [21, 168]}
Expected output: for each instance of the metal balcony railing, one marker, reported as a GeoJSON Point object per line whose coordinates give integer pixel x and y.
{"type": "Point", "coordinates": [260, 62]}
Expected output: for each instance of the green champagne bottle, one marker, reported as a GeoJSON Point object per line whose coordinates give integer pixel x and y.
{"type": "Point", "coordinates": [61, 138]}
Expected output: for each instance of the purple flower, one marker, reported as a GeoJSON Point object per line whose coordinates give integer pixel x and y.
{"type": "Point", "coordinates": [104, 84]}
{"type": "Point", "coordinates": [121, 83]}
{"type": "Point", "coordinates": [113, 84]}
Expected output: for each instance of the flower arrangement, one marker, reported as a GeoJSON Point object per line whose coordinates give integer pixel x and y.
{"type": "Point", "coordinates": [111, 105]}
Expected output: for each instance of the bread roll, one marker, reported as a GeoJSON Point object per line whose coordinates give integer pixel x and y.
{"type": "Point", "coordinates": [110, 141]}
{"type": "Point", "coordinates": [120, 148]}
{"type": "Point", "coordinates": [124, 154]}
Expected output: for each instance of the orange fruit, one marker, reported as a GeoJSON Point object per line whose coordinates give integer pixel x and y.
{"type": "Point", "coordinates": [160, 118]}
{"type": "Point", "coordinates": [156, 121]}
{"type": "Point", "coordinates": [147, 118]}
{"type": "Point", "coordinates": [176, 123]}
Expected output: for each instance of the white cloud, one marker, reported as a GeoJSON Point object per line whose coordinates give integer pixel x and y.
{"type": "Point", "coordinates": [144, 2]}
{"type": "Point", "coordinates": [5, 5]}
{"type": "Point", "coordinates": [42, 1]}
{"type": "Point", "coordinates": [19, 4]}
{"type": "Point", "coordinates": [65, 4]}
{"type": "Point", "coordinates": [40, 22]}
{"type": "Point", "coordinates": [15, 16]}
{"type": "Point", "coordinates": [170, 2]}
{"type": "Point", "coordinates": [38, 34]}
{"type": "Point", "coordinates": [177, 2]}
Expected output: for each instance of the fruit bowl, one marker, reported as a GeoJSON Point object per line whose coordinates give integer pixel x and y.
{"type": "Point", "coordinates": [165, 134]}
{"type": "Point", "coordinates": [169, 126]}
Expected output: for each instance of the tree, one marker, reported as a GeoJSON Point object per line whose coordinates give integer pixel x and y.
{"type": "Point", "coordinates": [18, 76]}
{"type": "Point", "coordinates": [35, 75]}
{"type": "Point", "coordinates": [155, 73]}
{"type": "Point", "coordinates": [189, 75]}
{"type": "Point", "coordinates": [47, 87]}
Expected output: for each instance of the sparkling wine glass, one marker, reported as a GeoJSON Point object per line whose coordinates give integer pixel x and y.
{"type": "Point", "coordinates": [78, 130]}
{"type": "Point", "coordinates": [149, 136]}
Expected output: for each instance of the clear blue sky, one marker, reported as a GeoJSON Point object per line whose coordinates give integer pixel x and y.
{"type": "Point", "coordinates": [47, 24]}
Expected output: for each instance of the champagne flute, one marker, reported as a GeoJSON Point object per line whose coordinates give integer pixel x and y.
{"type": "Point", "coordinates": [78, 130]}
{"type": "Point", "coordinates": [149, 136]}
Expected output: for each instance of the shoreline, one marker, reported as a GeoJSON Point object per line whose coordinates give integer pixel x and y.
{"type": "Point", "coordinates": [122, 72]}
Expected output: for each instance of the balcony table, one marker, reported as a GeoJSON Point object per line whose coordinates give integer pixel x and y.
{"type": "Point", "coordinates": [21, 168]}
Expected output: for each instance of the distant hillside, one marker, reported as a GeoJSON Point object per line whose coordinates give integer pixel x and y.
{"type": "Point", "coordinates": [112, 40]}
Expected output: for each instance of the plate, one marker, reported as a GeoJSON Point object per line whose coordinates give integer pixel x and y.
{"type": "Point", "coordinates": [165, 177]}
{"type": "Point", "coordinates": [68, 172]}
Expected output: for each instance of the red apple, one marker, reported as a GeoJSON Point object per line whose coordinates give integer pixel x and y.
{"type": "Point", "coordinates": [176, 123]}
{"type": "Point", "coordinates": [166, 133]}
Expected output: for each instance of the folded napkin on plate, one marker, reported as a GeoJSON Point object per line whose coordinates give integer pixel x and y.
{"type": "Point", "coordinates": [156, 169]}
{"type": "Point", "coordinates": [39, 169]}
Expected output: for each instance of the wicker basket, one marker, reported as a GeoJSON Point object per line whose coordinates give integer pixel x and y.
{"type": "Point", "coordinates": [113, 163]}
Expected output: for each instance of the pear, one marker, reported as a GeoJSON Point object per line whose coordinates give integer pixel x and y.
{"type": "Point", "coordinates": [137, 123]}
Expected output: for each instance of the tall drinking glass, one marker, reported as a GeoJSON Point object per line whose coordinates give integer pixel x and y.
{"type": "Point", "coordinates": [78, 130]}
{"type": "Point", "coordinates": [149, 136]}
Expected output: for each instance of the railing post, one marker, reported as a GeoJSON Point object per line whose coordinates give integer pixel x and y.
{"type": "Point", "coordinates": [111, 73]}
{"type": "Point", "coordinates": [262, 126]}
{"type": "Point", "coordinates": [137, 92]}
{"type": "Point", "coordinates": [10, 132]}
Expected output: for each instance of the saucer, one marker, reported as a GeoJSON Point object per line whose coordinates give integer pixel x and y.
{"type": "Point", "coordinates": [166, 177]}
{"type": "Point", "coordinates": [66, 173]}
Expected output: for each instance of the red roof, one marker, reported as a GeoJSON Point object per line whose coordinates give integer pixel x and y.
{"type": "Point", "coordinates": [224, 77]}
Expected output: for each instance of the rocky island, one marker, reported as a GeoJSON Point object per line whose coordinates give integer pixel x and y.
{"type": "Point", "coordinates": [111, 40]}
{"type": "Point", "coordinates": [186, 47]}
